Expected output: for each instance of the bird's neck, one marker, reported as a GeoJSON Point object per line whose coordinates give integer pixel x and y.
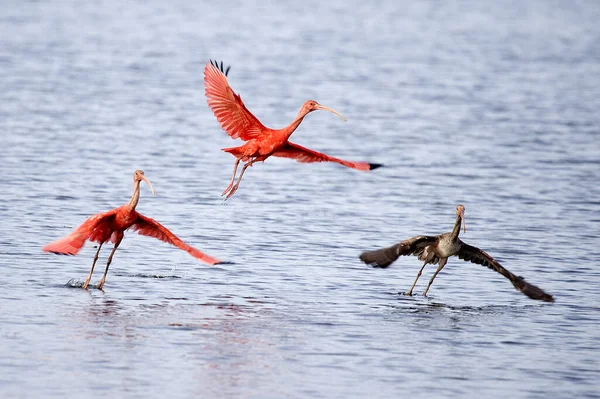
{"type": "Point", "coordinates": [456, 229]}
{"type": "Point", "coordinates": [294, 125]}
{"type": "Point", "coordinates": [136, 195]}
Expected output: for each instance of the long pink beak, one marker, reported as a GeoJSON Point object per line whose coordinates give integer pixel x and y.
{"type": "Point", "coordinates": [462, 217]}
{"type": "Point", "coordinates": [324, 108]}
{"type": "Point", "coordinates": [144, 178]}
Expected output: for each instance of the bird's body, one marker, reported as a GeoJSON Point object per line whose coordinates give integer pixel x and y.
{"type": "Point", "coordinates": [437, 250]}
{"type": "Point", "coordinates": [261, 142]}
{"type": "Point", "coordinates": [446, 246]}
{"type": "Point", "coordinates": [111, 225]}
{"type": "Point", "coordinates": [262, 147]}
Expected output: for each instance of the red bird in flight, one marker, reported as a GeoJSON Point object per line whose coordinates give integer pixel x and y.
{"type": "Point", "coordinates": [111, 225]}
{"type": "Point", "coordinates": [261, 142]}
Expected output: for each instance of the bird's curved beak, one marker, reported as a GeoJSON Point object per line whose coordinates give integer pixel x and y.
{"type": "Point", "coordinates": [324, 108]}
{"type": "Point", "coordinates": [462, 217]}
{"type": "Point", "coordinates": [144, 178]}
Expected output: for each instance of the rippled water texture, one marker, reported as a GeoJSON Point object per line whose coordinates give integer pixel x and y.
{"type": "Point", "coordinates": [493, 105]}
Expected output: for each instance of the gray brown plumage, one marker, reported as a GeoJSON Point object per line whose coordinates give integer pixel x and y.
{"type": "Point", "coordinates": [437, 250]}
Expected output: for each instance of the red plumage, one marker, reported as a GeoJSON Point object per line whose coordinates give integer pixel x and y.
{"type": "Point", "coordinates": [111, 225]}
{"type": "Point", "coordinates": [261, 142]}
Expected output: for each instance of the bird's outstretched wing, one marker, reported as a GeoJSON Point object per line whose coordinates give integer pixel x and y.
{"type": "Point", "coordinates": [227, 106]}
{"type": "Point", "coordinates": [386, 256]}
{"type": "Point", "coordinates": [150, 227]}
{"type": "Point", "coordinates": [95, 228]}
{"type": "Point", "coordinates": [302, 154]}
{"type": "Point", "coordinates": [476, 255]}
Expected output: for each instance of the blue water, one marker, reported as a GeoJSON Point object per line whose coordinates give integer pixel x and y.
{"type": "Point", "coordinates": [493, 105]}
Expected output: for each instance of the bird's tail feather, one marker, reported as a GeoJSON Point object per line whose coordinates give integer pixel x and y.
{"type": "Point", "coordinates": [235, 151]}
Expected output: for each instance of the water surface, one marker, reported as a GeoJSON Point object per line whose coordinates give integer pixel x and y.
{"type": "Point", "coordinates": [493, 105]}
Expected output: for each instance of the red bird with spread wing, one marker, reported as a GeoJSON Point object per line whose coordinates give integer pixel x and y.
{"type": "Point", "coordinates": [111, 225]}
{"type": "Point", "coordinates": [261, 142]}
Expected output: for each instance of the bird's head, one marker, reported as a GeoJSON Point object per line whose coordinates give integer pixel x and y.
{"type": "Point", "coordinates": [138, 176]}
{"type": "Point", "coordinates": [312, 105]}
{"type": "Point", "coordinates": [460, 211]}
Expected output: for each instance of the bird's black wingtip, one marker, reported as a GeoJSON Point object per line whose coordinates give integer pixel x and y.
{"type": "Point", "coordinates": [375, 165]}
{"type": "Point", "coordinates": [532, 291]}
{"type": "Point", "coordinates": [220, 67]}
{"type": "Point", "coordinates": [370, 262]}
{"type": "Point", "coordinates": [224, 262]}
{"type": "Point", "coordinates": [62, 253]}
{"type": "Point", "coordinates": [548, 298]}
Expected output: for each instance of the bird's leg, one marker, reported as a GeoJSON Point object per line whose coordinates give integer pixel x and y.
{"type": "Point", "coordinates": [440, 267]}
{"type": "Point", "coordinates": [87, 281]}
{"type": "Point", "coordinates": [232, 176]}
{"type": "Point", "coordinates": [234, 188]}
{"type": "Point", "coordinates": [409, 293]}
{"type": "Point", "coordinates": [101, 283]}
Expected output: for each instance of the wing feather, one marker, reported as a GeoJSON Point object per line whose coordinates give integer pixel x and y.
{"type": "Point", "coordinates": [386, 256]}
{"type": "Point", "coordinates": [150, 227]}
{"type": "Point", "coordinates": [476, 255]}
{"type": "Point", "coordinates": [95, 228]}
{"type": "Point", "coordinates": [305, 155]}
{"type": "Point", "coordinates": [228, 107]}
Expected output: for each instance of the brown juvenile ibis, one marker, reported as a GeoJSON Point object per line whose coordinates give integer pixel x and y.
{"type": "Point", "coordinates": [437, 250]}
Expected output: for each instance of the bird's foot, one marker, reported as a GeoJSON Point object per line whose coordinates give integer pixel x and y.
{"type": "Point", "coordinates": [409, 293]}
{"type": "Point", "coordinates": [227, 189]}
{"type": "Point", "coordinates": [101, 284]}
{"type": "Point", "coordinates": [231, 192]}
{"type": "Point", "coordinates": [85, 284]}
